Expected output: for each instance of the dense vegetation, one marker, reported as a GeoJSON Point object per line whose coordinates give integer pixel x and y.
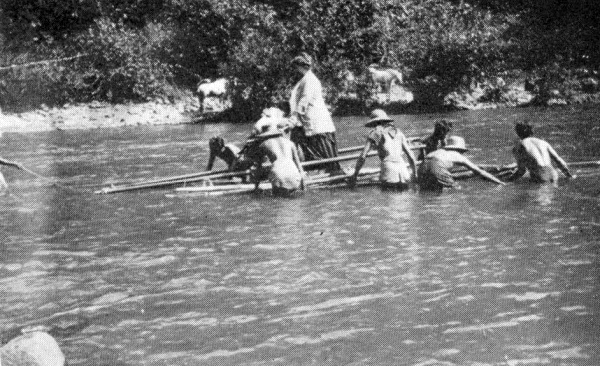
{"type": "Point", "coordinates": [129, 50]}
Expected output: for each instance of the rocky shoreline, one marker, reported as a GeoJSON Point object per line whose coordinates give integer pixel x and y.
{"type": "Point", "coordinates": [398, 101]}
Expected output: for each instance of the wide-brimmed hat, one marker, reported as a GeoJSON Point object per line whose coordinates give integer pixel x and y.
{"type": "Point", "coordinates": [378, 116]}
{"type": "Point", "coordinates": [456, 143]}
{"type": "Point", "coordinates": [303, 59]}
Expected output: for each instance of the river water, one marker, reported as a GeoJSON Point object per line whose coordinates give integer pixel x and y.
{"type": "Point", "coordinates": [481, 275]}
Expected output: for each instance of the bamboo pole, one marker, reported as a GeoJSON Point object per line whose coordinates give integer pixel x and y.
{"type": "Point", "coordinates": [43, 62]}
{"type": "Point", "coordinates": [195, 177]}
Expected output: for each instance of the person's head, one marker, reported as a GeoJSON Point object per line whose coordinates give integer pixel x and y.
{"type": "Point", "coordinates": [456, 143]}
{"type": "Point", "coordinates": [216, 144]}
{"type": "Point", "coordinates": [378, 117]}
{"type": "Point", "coordinates": [442, 128]}
{"type": "Point", "coordinates": [271, 113]}
{"type": "Point", "coordinates": [302, 63]}
{"type": "Point", "coordinates": [524, 130]}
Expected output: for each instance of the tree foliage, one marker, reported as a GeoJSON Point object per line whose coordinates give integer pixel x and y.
{"type": "Point", "coordinates": [141, 49]}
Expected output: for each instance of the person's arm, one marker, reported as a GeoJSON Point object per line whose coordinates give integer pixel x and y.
{"type": "Point", "coordinates": [521, 168]}
{"type": "Point", "coordinates": [211, 160]}
{"type": "Point", "coordinates": [308, 92]}
{"type": "Point", "coordinates": [466, 162]}
{"type": "Point", "coordinates": [359, 163]}
{"type": "Point", "coordinates": [258, 164]}
{"type": "Point", "coordinates": [10, 163]}
{"type": "Point", "coordinates": [411, 158]}
{"type": "Point", "coordinates": [562, 165]}
{"type": "Point", "coordinates": [296, 159]}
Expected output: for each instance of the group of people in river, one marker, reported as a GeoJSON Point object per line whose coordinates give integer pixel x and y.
{"type": "Point", "coordinates": [309, 132]}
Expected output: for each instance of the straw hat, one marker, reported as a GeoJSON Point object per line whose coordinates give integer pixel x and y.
{"type": "Point", "coordinates": [456, 143]}
{"type": "Point", "coordinates": [378, 116]}
{"type": "Point", "coordinates": [303, 59]}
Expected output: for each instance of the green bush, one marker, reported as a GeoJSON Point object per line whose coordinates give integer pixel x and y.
{"type": "Point", "coordinates": [136, 50]}
{"type": "Point", "coordinates": [123, 63]}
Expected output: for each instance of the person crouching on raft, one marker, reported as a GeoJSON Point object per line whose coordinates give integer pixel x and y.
{"type": "Point", "coordinates": [536, 155]}
{"type": "Point", "coordinates": [434, 172]}
{"type": "Point", "coordinates": [390, 144]}
{"type": "Point", "coordinates": [286, 174]}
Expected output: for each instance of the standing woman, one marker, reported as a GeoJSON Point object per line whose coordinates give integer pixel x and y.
{"type": "Point", "coordinates": [308, 110]}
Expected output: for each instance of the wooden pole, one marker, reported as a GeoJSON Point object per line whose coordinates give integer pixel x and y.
{"type": "Point", "coordinates": [43, 62]}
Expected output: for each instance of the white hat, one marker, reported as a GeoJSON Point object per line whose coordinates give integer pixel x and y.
{"type": "Point", "coordinates": [456, 143]}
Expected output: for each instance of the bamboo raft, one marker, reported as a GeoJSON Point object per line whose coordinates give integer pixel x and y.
{"type": "Point", "coordinates": [346, 154]}
{"type": "Point", "coordinates": [213, 183]}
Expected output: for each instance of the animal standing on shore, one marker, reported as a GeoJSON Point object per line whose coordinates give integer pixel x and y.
{"type": "Point", "coordinates": [384, 78]}
{"type": "Point", "coordinates": [207, 88]}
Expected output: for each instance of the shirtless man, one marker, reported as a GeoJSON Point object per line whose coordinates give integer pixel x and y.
{"type": "Point", "coordinates": [244, 158]}
{"type": "Point", "coordinates": [391, 144]}
{"type": "Point", "coordinates": [438, 137]}
{"type": "Point", "coordinates": [536, 156]}
{"type": "Point", "coordinates": [434, 172]}
{"type": "Point", "coordinates": [286, 174]}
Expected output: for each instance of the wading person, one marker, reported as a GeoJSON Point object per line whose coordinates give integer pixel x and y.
{"type": "Point", "coordinates": [308, 110]}
{"type": "Point", "coordinates": [438, 138]}
{"type": "Point", "coordinates": [3, 184]}
{"type": "Point", "coordinates": [391, 146]}
{"type": "Point", "coordinates": [536, 155]}
{"type": "Point", "coordinates": [286, 174]}
{"type": "Point", "coordinates": [434, 172]}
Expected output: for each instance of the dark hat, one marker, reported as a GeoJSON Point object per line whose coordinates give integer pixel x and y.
{"type": "Point", "coordinates": [456, 143]}
{"type": "Point", "coordinates": [303, 59]}
{"type": "Point", "coordinates": [378, 116]}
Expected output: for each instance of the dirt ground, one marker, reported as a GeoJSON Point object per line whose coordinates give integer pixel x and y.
{"type": "Point", "coordinates": [98, 115]}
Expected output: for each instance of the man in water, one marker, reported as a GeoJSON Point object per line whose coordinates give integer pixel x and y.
{"type": "Point", "coordinates": [286, 174]}
{"type": "Point", "coordinates": [244, 158]}
{"type": "Point", "coordinates": [434, 172]}
{"type": "Point", "coordinates": [536, 155]}
{"type": "Point", "coordinates": [308, 110]}
{"type": "Point", "coordinates": [438, 137]}
{"type": "Point", "coordinates": [391, 144]}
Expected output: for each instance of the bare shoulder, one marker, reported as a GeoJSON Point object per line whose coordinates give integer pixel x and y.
{"type": "Point", "coordinates": [534, 141]}
{"type": "Point", "coordinates": [459, 158]}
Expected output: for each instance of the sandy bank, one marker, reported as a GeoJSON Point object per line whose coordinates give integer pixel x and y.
{"type": "Point", "coordinates": [97, 115]}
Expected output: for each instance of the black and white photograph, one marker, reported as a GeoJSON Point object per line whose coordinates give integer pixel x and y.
{"type": "Point", "coordinates": [299, 182]}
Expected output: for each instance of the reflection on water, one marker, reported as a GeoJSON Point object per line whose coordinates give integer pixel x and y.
{"type": "Point", "coordinates": [477, 276]}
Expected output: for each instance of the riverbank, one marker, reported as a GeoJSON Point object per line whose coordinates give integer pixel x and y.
{"type": "Point", "coordinates": [186, 110]}
{"type": "Point", "coordinates": [99, 115]}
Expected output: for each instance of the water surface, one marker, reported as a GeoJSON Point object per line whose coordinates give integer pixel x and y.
{"type": "Point", "coordinates": [482, 275]}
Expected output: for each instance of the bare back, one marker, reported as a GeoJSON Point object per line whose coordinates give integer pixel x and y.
{"type": "Point", "coordinates": [286, 171]}
{"type": "Point", "coordinates": [278, 148]}
{"type": "Point", "coordinates": [535, 155]}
